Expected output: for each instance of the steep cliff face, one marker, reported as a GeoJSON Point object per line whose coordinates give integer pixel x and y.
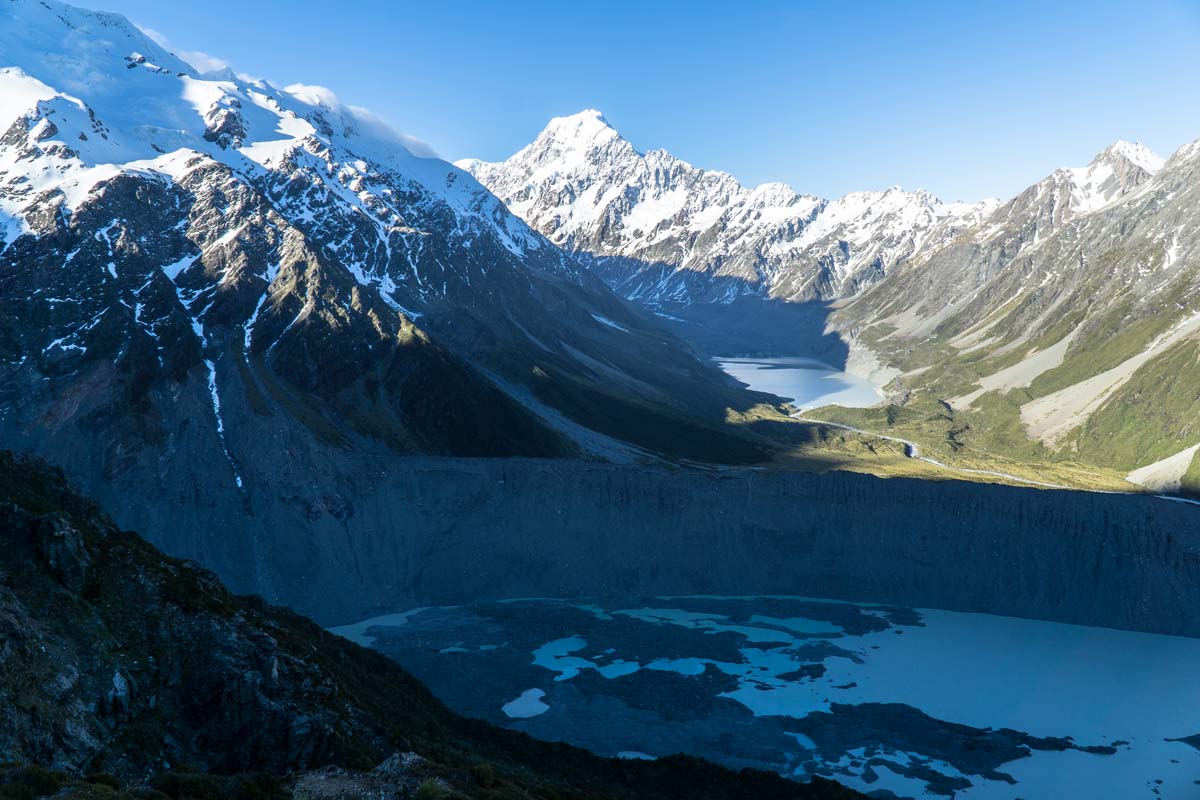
{"type": "Point", "coordinates": [118, 659]}
{"type": "Point", "coordinates": [437, 531]}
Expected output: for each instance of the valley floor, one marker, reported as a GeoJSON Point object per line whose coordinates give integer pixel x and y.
{"type": "Point", "coordinates": [860, 432]}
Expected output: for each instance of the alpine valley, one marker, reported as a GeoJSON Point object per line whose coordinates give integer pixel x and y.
{"type": "Point", "coordinates": [1055, 334]}
{"type": "Point", "coordinates": [680, 477]}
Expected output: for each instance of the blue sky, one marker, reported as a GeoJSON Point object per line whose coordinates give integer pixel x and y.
{"type": "Point", "coordinates": [966, 99]}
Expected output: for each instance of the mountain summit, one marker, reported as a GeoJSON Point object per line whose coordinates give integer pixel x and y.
{"type": "Point", "coordinates": [1137, 154]}
{"type": "Point", "coordinates": [1114, 171]}
{"type": "Point", "coordinates": [577, 131]}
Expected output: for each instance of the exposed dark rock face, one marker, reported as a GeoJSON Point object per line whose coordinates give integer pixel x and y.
{"type": "Point", "coordinates": [62, 548]}
{"type": "Point", "coordinates": [116, 658]}
{"type": "Point", "coordinates": [122, 648]}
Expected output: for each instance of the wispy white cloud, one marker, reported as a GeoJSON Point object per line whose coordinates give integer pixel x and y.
{"type": "Point", "coordinates": [202, 61]}
{"type": "Point", "coordinates": [365, 120]}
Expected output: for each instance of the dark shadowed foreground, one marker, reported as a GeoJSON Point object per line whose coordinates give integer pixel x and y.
{"type": "Point", "coordinates": [119, 660]}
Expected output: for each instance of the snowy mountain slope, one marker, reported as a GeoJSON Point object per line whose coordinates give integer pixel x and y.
{"type": "Point", "coordinates": [143, 106]}
{"type": "Point", "coordinates": [1043, 224]}
{"type": "Point", "coordinates": [204, 276]}
{"type": "Point", "coordinates": [660, 230]}
{"type": "Point", "coordinates": [1013, 231]}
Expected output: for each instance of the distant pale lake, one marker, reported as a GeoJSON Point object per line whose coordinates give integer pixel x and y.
{"type": "Point", "coordinates": [805, 382]}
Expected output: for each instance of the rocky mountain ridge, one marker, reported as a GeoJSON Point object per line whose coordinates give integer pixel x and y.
{"type": "Point", "coordinates": [1070, 326]}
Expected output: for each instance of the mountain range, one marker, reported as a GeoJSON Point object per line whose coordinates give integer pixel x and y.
{"type": "Point", "coordinates": [659, 230]}
{"type": "Point", "coordinates": [1058, 326]}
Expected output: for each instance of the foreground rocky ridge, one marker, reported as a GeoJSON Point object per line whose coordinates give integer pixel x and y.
{"type": "Point", "coordinates": [120, 660]}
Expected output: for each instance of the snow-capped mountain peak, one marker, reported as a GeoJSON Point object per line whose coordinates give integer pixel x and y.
{"type": "Point", "coordinates": [1137, 154]}
{"type": "Point", "coordinates": [579, 130]}
{"type": "Point", "coordinates": [85, 96]}
{"type": "Point", "coordinates": [189, 233]}
{"type": "Point", "coordinates": [1114, 174]}
{"type": "Point", "coordinates": [1115, 171]}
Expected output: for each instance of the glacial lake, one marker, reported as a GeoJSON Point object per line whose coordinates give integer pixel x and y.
{"type": "Point", "coordinates": [894, 701]}
{"type": "Point", "coordinates": [805, 382]}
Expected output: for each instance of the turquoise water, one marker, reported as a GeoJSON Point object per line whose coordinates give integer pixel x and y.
{"type": "Point", "coordinates": [805, 382]}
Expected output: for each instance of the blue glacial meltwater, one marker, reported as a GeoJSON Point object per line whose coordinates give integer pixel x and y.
{"type": "Point", "coordinates": [805, 382]}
